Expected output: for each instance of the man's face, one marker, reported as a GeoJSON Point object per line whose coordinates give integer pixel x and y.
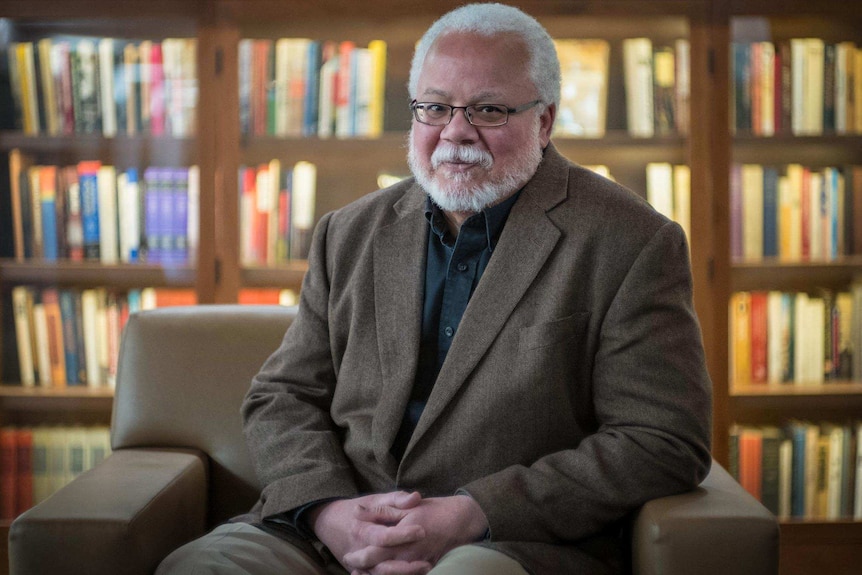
{"type": "Point", "coordinates": [464, 167]}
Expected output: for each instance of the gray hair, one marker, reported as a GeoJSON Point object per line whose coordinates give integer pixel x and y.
{"type": "Point", "coordinates": [490, 20]}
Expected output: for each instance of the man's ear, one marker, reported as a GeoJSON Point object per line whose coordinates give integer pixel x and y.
{"type": "Point", "coordinates": [546, 120]}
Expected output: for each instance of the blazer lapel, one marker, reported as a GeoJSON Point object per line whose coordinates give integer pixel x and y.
{"type": "Point", "coordinates": [525, 244]}
{"type": "Point", "coordinates": [399, 274]}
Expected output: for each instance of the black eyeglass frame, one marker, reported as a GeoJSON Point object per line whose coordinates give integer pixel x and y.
{"type": "Point", "coordinates": [414, 105]}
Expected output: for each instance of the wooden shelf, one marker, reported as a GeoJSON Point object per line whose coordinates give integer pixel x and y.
{"type": "Point", "coordinates": [796, 390]}
{"type": "Point", "coordinates": [95, 274]}
{"type": "Point", "coordinates": [288, 275]}
{"type": "Point", "coordinates": [795, 276]}
{"type": "Point", "coordinates": [122, 150]}
{"type": "Point", "coordinates": [71, 392]}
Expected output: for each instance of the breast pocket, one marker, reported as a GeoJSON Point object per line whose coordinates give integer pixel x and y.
{"type": "Point", "coordinates": [559, 331]}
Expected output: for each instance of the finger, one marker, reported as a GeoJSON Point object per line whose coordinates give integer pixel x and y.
{"type": "Point", "coordinates": [383, 514]}
{"type": "Point", "coordinates": [398, 567]}
{"type": "Point", "coordinates": [399, 499]}
{"type": "Point", "coordinates": [388, 536]}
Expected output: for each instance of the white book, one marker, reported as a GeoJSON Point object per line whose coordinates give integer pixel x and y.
{"type": "Point", "coordinates": [774, 336]}
{"type": "Point", "coordinates": [638, 79]}
{"type": "Point", "coordinates": [798, 74]}
{"type": "Point", "coordinates": [282, 84]}
{"type": "Point", "coordinates": [814, 91]}
{"type": "Point", "coordinates": [22, 301]}
{"type": "Point", "coordinates": [89, 305]}
{"type": "Point", "coordinates": [106, 85]}
{"type": "Point", "coordinates": [326, 105]}
{"type": "Point", "coordinates": [767, 87]}
{"type": "Point", "coordinates": [682, 198]}
{"type": "Point", "coordinates": [193, 214]}
{"type": "Point", "coordinates": [833, 470]}
{"type": "Point", "coordinates": [660, 187]}
{"type": "Point", "coordinates": [108, 232]}
{"type": "Point", "coordinates": [129, 215]}
{"type": "Point", "coordinates": [752, 211]}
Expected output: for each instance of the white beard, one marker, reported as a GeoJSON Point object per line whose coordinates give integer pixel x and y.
{"type": "Point", "coordinates": [459, 192]}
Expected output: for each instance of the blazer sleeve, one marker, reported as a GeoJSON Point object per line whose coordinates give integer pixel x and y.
{"type": "Point", "coordinates": [293, 443]}
{"type": "Point", "coordinates": [652, 401]}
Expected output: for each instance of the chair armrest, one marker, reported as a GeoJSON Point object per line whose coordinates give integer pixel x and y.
{"type": "Point", "coordinates": [123, 516]}
{"type": "Point", "coordinates": [716, 529]}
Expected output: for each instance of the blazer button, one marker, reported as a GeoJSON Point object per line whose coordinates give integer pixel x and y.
{"type": "Point", "coordinates": [462, 267]}
{"type": "Point", "coordinates": [449, 331]}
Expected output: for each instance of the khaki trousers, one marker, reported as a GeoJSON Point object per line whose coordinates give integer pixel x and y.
{"type": "Point", "coordinates": [242, 549]}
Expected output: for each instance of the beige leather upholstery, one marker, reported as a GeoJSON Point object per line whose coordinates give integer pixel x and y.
{"type": "Point", "coordinates": [180, 465]}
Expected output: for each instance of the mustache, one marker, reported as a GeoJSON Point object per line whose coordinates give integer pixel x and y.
{"type": "Point", "coordinates": [464, 154]}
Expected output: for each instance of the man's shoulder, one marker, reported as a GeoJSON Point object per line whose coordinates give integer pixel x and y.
{"type": "Point", "coordinates": [379, 203]}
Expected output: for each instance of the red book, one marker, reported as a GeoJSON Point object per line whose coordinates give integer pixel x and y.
{"type": "Point", "coordinates": [157, 91]}
{"type": "Point", "coordinates": [758, 325]}
{"type": "Point", "coordinates": [258, 296]}
{"type": "Point", "coordinates": [8, 473]}
{"type": "Point", "coordinates": [24, 442]}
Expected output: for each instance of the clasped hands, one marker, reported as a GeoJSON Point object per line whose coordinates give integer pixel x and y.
{"type": "Point", "coordinates": [397, 533]}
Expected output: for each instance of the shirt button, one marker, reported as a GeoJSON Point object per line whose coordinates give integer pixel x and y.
{"type": "Point", "coordinates": [462, 267]}
{"type": "Point", "coordinates": [448, 331]}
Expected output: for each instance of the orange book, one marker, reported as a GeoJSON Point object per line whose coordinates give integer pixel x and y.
{"type": "Point", "coordinates": [56, 348]}
{"type": "Point", "coordinates": [24, 451]}
{"type": "Point", "coordinates": [751, 460]}
{"type": "Point", "coordinates": [258, 296]}
{"type": "Point", "coordinates": [166, 297]}
{"type": "Point", "coordinates": [8, 473]}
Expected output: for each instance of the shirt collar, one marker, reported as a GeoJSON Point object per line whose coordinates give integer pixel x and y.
{"type": "Point", "coordinates": [491, 219]}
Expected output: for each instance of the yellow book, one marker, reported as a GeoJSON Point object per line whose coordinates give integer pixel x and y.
{"type": "Point", "coordinates": [740, 338]}
{"type": "Point", "coordinates": [52, 118]}
{"type": "Point", "coordinates": [27, 82]}
{"type": "Point", "coordinates": [378, 87]}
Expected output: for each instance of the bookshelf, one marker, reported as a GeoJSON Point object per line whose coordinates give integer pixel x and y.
{"type": "Point", "coordinates": [808, 544]}
{"type": "Point", "coordinates": [348, 168]}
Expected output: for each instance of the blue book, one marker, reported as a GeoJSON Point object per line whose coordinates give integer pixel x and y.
{"type": "Point", "coordinates": [70, 320]}
{"type": "Point", "coordinates": [180, 216]}
{"type": "Point", "coordinates": [89, 191]}
{"type": "Point", "coordinates": [797, 477]}
{"type": "Point", "coordinates": [152, 201]}
{"type": "Point", "coordinates": [312, 90]}
{"type": "Point", "coordinates": [49, 228]}
{"type": "Point", "coordinates": [770, 212]}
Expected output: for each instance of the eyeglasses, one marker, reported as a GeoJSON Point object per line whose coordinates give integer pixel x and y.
{"type": "Point", "coordinates": [483, 115]}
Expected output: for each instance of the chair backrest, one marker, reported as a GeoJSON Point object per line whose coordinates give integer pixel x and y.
{"type": "Point", "coordinates": [182, 375]}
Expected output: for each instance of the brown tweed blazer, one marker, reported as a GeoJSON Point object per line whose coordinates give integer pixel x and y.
{"type": "Point", "coordinates": [574, 391]}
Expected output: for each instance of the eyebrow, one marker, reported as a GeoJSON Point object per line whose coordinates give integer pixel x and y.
{"type": "Point", "coordinates": [481, 97]}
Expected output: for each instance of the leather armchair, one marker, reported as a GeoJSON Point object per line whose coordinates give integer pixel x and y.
{"type": "Point", "coordinates": [180, 465]}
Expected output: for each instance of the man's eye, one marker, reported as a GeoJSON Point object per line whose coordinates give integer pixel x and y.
{"type": "Point", "coordinates": [488, 109]}
{"type": "Point", "coordinates": [435, 108]}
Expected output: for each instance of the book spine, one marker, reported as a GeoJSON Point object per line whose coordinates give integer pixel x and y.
{"type": "Point", "coordinates": [88, 184]}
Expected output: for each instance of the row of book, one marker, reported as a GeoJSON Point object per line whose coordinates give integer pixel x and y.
{"type": "Point", "coordinates": [293, 87]}
{"type": "Point", "coordinates": [794, 212]}
{"type": "Point", "coordinates": [801, 86]}
{"type": "Point", "coordinates": [35, 462]}
{"type": "Point", "coordinates": [669, 192]}
{"type": "Point", "coordinates": [71, 337]}
{"type": "Point", "coordinates": [657, 86]}
{"type": "Point", "coordinates": [108, 86]}
{"type": "Point", "coordinates": [795, 338]}
{"type": "Point", "coordinates": [96, 212]}
{"type": "Point", "coordinates": [801, 470]}
{"type": "Point", "coordinates": [276, 212]}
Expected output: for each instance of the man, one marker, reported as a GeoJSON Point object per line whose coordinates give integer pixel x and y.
{"type": "Point", "coordinates": [493, 363]}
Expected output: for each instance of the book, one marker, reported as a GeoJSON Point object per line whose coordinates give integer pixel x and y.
{"type": "Point", "coordinates": [24, 468]}
{"type": "Point", "coordinates": [584, 87]}
{"type": "Point", "coordinates": [19, 164]}
{"type": "Point", "coordinates": [664, 89]}
{"type": "Point", "coordinates": [660, 191]}
{"type": "Point", "coordinates": [638, 81]}
{"type": "Point", "coordinates": [22, 310]}
{"type": "Point", "coordinates": [106, 178]}
{"type": "Point", "coordinates": [54, 332]}
{"type": "Point", "coordinates": [302, 208]}
{"type": "Point", "coordinates": [8, 473]}
{"type": "Point", "coordinates": [88, 186]}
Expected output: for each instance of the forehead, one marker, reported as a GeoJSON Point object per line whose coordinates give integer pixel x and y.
{"type": "Point", "coordinates": [473, 65]}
